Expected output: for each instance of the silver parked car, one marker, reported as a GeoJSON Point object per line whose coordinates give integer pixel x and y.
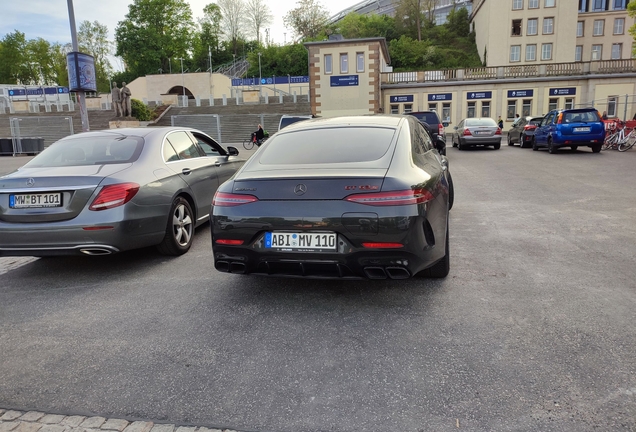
{"type": "Point", "coordinates": [103, 192]}
{"type": "Point", "coordinates": [480, 131]}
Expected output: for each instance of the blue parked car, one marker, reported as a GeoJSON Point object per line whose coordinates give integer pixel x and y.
{"type": "Point", "coordinates": [570, 128]}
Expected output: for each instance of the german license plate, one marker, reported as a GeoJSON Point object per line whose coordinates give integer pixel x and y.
{"type": "Point", "coordinates": [482, 133]}
{"type": "Point", "coordinates": [35, 200]}
{"type": "Point", "coordinates": [582, 129]}
{"type": "Point", "coordinates": [295, 241]}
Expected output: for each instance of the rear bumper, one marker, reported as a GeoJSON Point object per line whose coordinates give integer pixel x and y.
{"type": "Point", "coordinates": [473, 141]}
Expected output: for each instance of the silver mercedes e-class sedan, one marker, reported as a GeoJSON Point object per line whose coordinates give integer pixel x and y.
{"type": "Point", "coordinates": [103, 192]}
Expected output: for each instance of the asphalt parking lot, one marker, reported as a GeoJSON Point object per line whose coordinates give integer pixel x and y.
{"type": "Point", "coordinates": [532, 330]}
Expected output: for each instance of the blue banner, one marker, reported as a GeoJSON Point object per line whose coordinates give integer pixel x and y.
{"type": "Point", "coordinates": [399, 99]}
{"type": "Point", "coordinates": [565, 91]}
{"type": "Point", "coordinates": [440, 97]}
{"type": "Point", "coordinates": [344, 80]}
{"type": "Point", "coordinates": [37, 91]}
{"type": "Point", "coordinates": [237, 82]}
{"type": "Point", "coordinates": [520, 93]}
{"type": "Point", "coordinates": [479, 95]}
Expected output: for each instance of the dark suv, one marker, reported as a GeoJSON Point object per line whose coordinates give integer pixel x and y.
{"type": "Point", "coordinates": [570, 128]}
{"type": "Point", "coordinates": [431, 122]}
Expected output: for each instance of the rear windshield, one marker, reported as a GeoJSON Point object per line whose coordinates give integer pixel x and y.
{"type": "Point", "coordinates": [430, 118]}
{"type": "Point", "coordinates": [480, 122]}
{"type": "Point", "coordinates": [536, 121]}
{"type": "Point", "coordinates": [89, 150]}
{"type": "Point", "coordinates": [328, 146]}
{"type": "Point", "coordinates": [286, 121]}
{"type": "Point", "coordinates": [580, 117]}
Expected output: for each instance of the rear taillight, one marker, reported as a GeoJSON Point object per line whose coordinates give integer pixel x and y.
{"type": "Point", "coordinates": [529, 127]}
{"type": "Point", "coordinates": [222, 199]}
{"type": "Point", "coordinates": [114, 196]}
{"type": "Point", "coordinates": [467, 132]}
{"type": "Point", "coordinates": [382, 245]}
{"type": "Point", "coordinates": [440, 129]}
{"type": "Point", "coordinates": [231, 242]}
{"type": "Point", "coordinates": [406, 197]}
{"type": "Point", "coordinates": [498, 131]}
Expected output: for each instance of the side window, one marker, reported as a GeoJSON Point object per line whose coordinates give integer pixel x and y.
{"type": "Point", "coordinates": [545, 119]}
{"type": "Point", "coordinates": [426, 138]}
{"type": "Point", "coordinates": [420, 141]}
{"type": "Point", "coordinates": [186, 149]}
{"type": "Point", "coordinates": [209, 147]}
{"type": "Point", "coordinates": [169, 154]}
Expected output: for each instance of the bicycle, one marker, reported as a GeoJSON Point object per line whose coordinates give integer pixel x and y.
{"type": "Point", "coordinates": [615, 137]}
{"type": "Point", "coordinates": [248, 144]}
{"type": "Point", "coordinates": [628, 142]}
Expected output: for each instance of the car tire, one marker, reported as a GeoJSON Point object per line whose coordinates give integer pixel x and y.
{"type": "Point", "coordinates": [596, 148]}
{"type": "Point", "coordinates": [442, 267]}
{"type": "Point", "coordinates": [551, 148]}
{"type": "Point", "coordinates": [180, 229]}
{"type": "Point", "coordinates": [522, 141]}
{"type": "Point", "coordinates": [497, 146]}
{"type": "Point", "coordinates": [534, 144]}
{"type": "Point", "coordinates": [454, 144]}
{"type": "Point", "coordinates": [573, 148]}
{"type": "Point", "coordinates": [451, 191]}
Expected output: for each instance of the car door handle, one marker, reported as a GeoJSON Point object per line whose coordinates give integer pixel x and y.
{"type": "Point", "coordinates": [186, 171]}
{"type": "Point", "coordinates": [217, 163]}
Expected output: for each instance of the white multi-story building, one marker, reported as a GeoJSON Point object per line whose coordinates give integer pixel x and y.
{"type": "Point", "coordinates": [526, 32]}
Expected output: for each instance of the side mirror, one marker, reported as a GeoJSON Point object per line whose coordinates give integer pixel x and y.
{"type": "Point", "coordinates": [232, 151]}
{"type": "Point", "coordinates": [445, 124]}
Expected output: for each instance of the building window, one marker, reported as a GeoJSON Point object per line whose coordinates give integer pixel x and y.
{"type": "Point", "coordinates": [446, 110]}
{"type": "Point", "coordinates": [548, 25]}
{"type": "Point", "coordinates": [580, 26]}
{"type": "Point", "coordinates": [582, 5]}
{"type": "Point", "coordinates": [597, 52]}
{"type": "Point", "coordinates": [569, 103]}
{"type": "Point", "coordinates": [360, 62]}
{"type": "Point", "coordinates": [533, 4]}
{"type": "Point", "coordinates": [619, 26]}
{"type": "Point", "coordinates": [619, 4]}
{"type": "Point", "coordinates": [531, 52]}
{"type": "Point", "coordinates": [611, 106]}
{"type": "Point", "coordinates": [432, 107]}
{"type": "Point", "coordinates": [328, 64]}
{"type": "Point", "coordinates": [550, 3]}
{"type": "Point", "coordinates": [516, 27]}
{"type": "Point", "coordinates": [470, 112]}
{"type": "Point", "coordinates": [578, 53]}
{"type": "Point", "coordinates": [515, 52]}
{"type": "Point", "coordinates": [553, 104]}
{"type": "Point", "coordinates": [546, 51]}
{"type": "Point", "coordinates": [485, 109]}
{"type": "Point", "coordinates": [533, 25]}
{"type": "Point", "coordinates": [408, 108]}
{"type": "Point", "coordinates": [517, 4]}
{"type": "Point", "coordinates": [599, 26]}
{"type": "Point", "coordinates": [395, 109]}
{"type": "Point", "coordinates": [344, 63]}
{"type": "Point", "coordinates": [617, 50]}
{"type": "Point", "coordinates": [598, 5]}
{"type": "Point", "coordinates": [512, 109]}
{"type": "Point", "coordinates": [526, 108]}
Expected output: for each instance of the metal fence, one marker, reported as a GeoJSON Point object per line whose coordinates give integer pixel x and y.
{"type": "Point", "coordinates": [31, 135]}
{"type": "Point", "coordinates": [228, 128]}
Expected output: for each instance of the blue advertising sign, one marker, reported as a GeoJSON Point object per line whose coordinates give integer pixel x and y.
{"type": "Point", "coordinates": [440, 97]}
{"type": "Point", "coordinates": [399, 99]}
{"type": "Point", "coordinates": [17, 92]}
{"type": "Point", "coordinates": [564, 91]}
{"type": "Point", "coordinates": [35, 91]}
{"type": "Point", "coordinates": [81, 72]}
{"type": "Point", "coordinates": [237, 82]}
{"type": "Point", "coordinates": [479, 95]}
{"type": "Point", "coordinates": [520, 93]}
{"type": "Point", "coordinates": [344, 80]}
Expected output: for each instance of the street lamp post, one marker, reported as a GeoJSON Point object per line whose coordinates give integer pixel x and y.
{"type": "Point", "coordinates": [182, 80]}
{"type": "Point", "coordinates": [260, 77]}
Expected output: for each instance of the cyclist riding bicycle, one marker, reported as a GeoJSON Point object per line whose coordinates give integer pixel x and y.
{"type": "Point", "coordinates": [257, 137]}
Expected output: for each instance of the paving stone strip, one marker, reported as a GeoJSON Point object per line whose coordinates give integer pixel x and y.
{"type": "Point", "coordinates": [11, 263]}
{"type": "Point", "coordinates": [36, 421]}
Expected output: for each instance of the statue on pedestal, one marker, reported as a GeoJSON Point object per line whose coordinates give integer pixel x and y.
{"type": "Point", "coordinates": [125, 100]}
{"type": "Point", "coordinates": [115, 94]}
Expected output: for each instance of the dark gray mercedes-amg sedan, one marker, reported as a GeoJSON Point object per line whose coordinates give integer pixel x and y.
{"type": "Point", "coordinates": [348, 197]}
{"type": "Point", "coordinates": [103, 192]}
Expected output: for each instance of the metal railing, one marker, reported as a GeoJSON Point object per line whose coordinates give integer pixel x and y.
{"type": "Point", "coordinates": [31, 135]}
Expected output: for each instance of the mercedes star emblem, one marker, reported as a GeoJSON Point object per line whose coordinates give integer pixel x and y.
{"type": "Point", "coordinates": [30, 182]}
{"type": "Point", "coordinates": [300, 189]}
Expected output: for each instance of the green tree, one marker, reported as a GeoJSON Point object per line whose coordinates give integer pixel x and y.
{"type": "Point", "coordinates": [14, 67]}
{"type": "Point", "coordinates": [307, 20]}
{"type": "Point", "coordinates": [59, 70]}
{"type": "Point", "coordinates": [355, 25]}
{"type": "Point", "coordinates": [154, 32]}
{"type": "Point", "coordinates": [279, 61]}
{"type": "Point", "coordinates": [93, 40]}
{"type": "Point", "coordinates": [631, 10]}
{"type": "Point", "coordinates": [458, 22]}
{"type": "Point", "coordinates": [232, 18]}
{"type": "Point", "coordinates": [409, 18]}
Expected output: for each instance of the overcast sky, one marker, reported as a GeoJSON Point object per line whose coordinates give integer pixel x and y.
{"type": "Point", "coordinates": [49, 19]}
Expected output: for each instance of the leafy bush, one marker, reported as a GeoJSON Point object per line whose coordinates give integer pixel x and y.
{"type": "Point", "coordinates": [140, 111]}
